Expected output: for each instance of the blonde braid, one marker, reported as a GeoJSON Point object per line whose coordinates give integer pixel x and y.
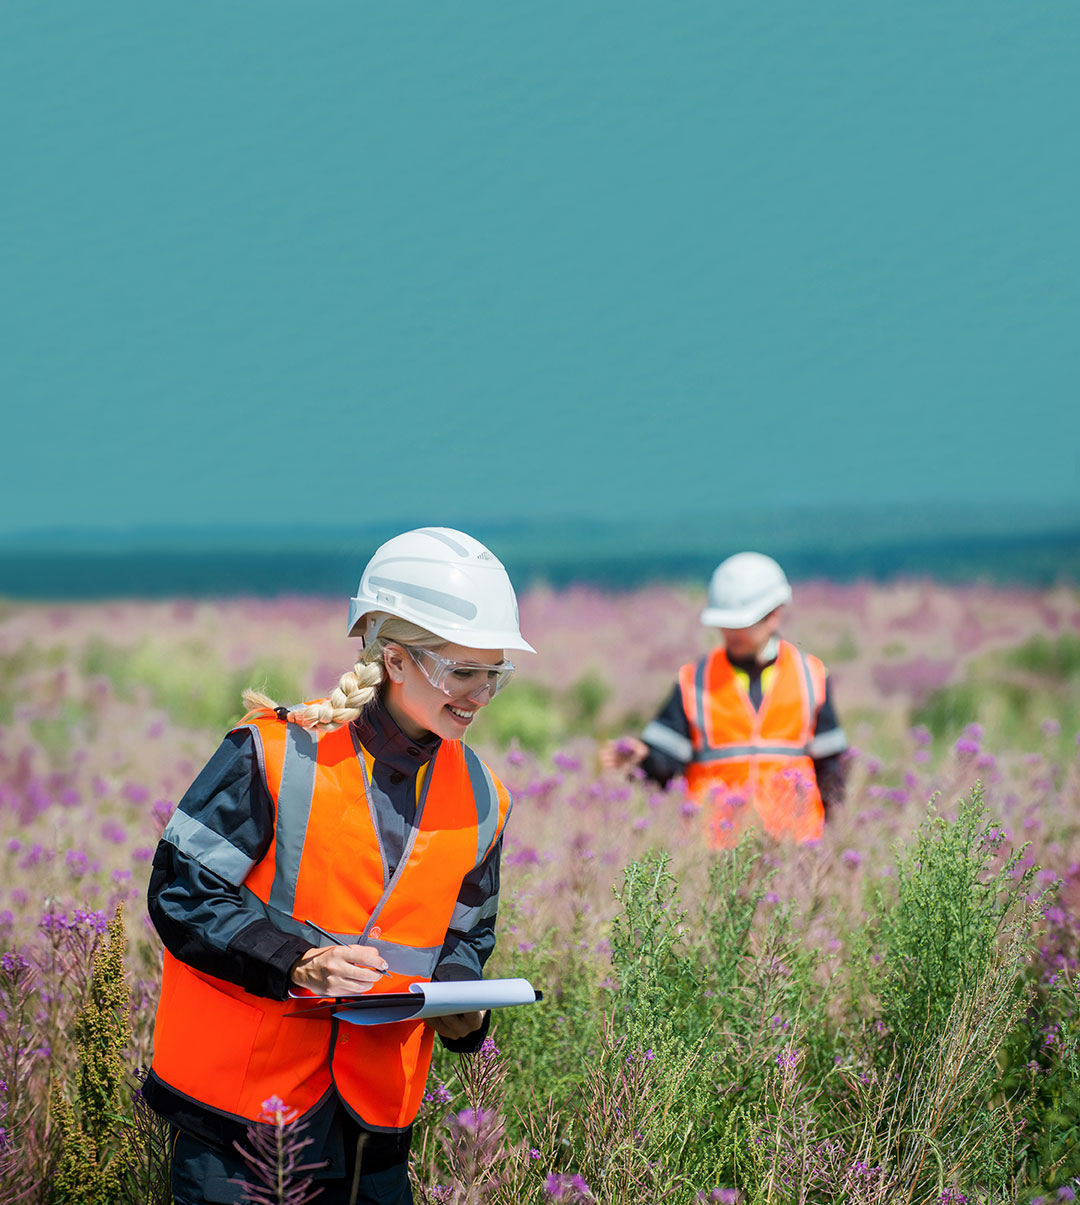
{"type": "Point", "coordinates": [355, 689]}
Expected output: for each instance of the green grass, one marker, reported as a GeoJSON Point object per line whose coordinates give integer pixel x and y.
{"type": "Point", "coordinates": [187, 683]}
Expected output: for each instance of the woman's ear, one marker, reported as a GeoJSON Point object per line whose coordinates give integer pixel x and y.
{"type": "Point", "coordinates": [394, 663]}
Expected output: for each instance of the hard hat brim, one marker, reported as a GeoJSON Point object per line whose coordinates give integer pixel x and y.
{"type": "Point", "coordinates": [744, 617]}
{"type": "Point", "coordinates": [472, 638]}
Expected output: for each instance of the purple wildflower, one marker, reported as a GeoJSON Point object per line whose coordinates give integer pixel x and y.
{"type": "Point", "coordinates": [134, 792]}
{"type": "Point", "coordinates": [12, 963]}
{"type": "Point", "coordinates": [116, 833]}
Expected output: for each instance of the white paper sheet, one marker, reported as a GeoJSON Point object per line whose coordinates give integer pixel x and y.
{"type": "Point", "coordinates": [440, 1000]}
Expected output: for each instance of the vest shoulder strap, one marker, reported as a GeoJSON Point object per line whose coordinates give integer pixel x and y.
{"type": "Point", "coordinates": [492, 799]}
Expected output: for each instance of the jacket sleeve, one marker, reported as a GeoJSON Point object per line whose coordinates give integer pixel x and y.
{"type": "Point", "coordinates": [471, 938]}
{"type": "Point", "coordinates": [827, 748]}
{"type": "Point", "coordinates": [223, 825]}
{"type": "Point", "coordinates": [668, 738]}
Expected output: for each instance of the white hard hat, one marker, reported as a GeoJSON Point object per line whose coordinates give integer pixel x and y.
{"type": "Point", "coordinates": [744, 589]}
{"type": "Point", "coordinates": [444, 581]}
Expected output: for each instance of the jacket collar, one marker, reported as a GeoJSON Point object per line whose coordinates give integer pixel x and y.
{"type": "Point", "coordinates": [384, 740]}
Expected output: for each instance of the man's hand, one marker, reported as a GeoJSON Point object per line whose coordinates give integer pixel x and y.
{"type": "Point", "coordinates": [623, 754]}
{"type": "Point", "coordinates": [338, 970]}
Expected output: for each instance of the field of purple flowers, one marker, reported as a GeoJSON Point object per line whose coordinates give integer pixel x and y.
{"type": "Point", "coordinates": [888, 1016]}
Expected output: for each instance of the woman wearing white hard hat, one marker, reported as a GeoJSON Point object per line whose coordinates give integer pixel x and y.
{"type": "Point", "coordinates": [752, 725]}
{"type": "Point", "coordinates": [325, 849]}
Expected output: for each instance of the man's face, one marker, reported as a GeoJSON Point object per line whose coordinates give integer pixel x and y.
{"type": "Point", "coordinates": [745, 643]}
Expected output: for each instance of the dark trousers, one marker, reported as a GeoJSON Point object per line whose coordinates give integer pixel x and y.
{"type": "Point", "coordinates": [202, 1175]}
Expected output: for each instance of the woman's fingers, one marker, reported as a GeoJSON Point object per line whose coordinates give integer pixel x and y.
{"type": "Point", "coordinates": [339, 970]}
{"type": "Point", "coordinates": [457, 1025]}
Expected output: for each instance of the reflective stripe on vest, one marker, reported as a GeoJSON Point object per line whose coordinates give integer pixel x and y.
{"type": "Point", "coordinates": [231, 1050]}
{"type": "Point", "coordinates": [749, 761]}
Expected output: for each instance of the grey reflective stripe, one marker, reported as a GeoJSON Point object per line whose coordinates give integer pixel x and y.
{"type": "Point", "coordinates": [661, 737]}
{"type": "Point", "coordinates": [209, 849]}
{"type": "Point", "coordinates": [486, 798]}
{"type": "Point", "coordinates": [358, 749]}
{"type": "Point", "coordinates": [699, 698]}
{"type": "Point", "coordinates": [828, 743]}
{"type": "Point", "coordinates": [464, 919]}
{"type": "Point", "coordinates": [293, 813]}
{"type": "Point", "coordinates": [731, 752]}
{"type": "Point", "coordinates": [407, 960]}
{"type": "Point", "coordinates": [404, 960]}
{"type": "Point", "coordinates": [437, 598]}
{"type": "Point", "coordinates": [808, 679]}
{"type": "Point", "coordinates": [443, 538]}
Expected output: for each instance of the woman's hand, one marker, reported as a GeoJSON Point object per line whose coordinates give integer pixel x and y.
{"type": "Point", "coordinates": [623, 754]}
{"type": "Point", "coordinates": [338, 970]}
{"type": "Point", "coordinates": [457, 1025]}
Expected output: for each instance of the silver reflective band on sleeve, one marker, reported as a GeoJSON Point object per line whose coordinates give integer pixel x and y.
{"type": "Point", "coordinates": [659, 736]}
{"type": "Point", "coordinates": [465, 919]}
{"type": "Point", "coordinates": [209, 849]}
{"type": "Point", "coordinates": [828, 743]}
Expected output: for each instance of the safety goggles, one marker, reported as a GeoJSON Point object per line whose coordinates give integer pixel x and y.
{"type": "Point", "coordinates": [460, 679]}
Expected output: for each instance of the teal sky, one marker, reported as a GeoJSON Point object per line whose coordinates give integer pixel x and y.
{"type": "Point", "coordinates": [325, 259]}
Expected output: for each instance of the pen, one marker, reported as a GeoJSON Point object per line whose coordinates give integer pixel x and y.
{"type": "Point", "coordinates": [338, 942]}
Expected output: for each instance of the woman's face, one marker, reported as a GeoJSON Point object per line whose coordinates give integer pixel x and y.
{"type": "Point", "coordinates": [418, 707]}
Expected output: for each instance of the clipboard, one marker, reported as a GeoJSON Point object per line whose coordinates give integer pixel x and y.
{"type": "Point", "coordinates": [421, 1001]}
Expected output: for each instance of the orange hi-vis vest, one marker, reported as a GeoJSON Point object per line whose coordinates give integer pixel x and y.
{"type": "Point", "coordinates": [753, 766]}
{"type": "Point", "coordinates": [230, 1050]}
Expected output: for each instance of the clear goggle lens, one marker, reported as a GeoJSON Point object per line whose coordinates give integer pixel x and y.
{"type": "Point", "coordinates": [461, 679]}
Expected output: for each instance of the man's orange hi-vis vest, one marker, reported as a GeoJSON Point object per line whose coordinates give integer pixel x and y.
{"type": "Point", "coordinates": [231, 1050]}
{"type": "Point", "coordinates": [752, 767]}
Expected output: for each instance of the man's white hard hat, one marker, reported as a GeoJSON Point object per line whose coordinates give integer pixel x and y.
{"type": "Point", "coordinates": [444, 581]}
{"type": "Point", "coordinates": [744, 589]}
